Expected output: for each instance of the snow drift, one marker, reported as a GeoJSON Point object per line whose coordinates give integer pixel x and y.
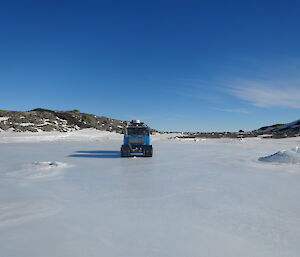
{"type": "Point", "coordinates": [39, 171]}
{"type": "Point", "coordinates": [285, 156]}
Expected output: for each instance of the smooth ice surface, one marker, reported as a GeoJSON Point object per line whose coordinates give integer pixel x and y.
{"type": "Point", "coordinates": [70, 194]}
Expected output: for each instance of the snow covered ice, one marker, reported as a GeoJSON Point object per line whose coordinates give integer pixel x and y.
{"type": "Point", "coordinates": [285, 156]}
{"type": "Point", "coordinates": [70, 194]}
{"type": "Point", "coordinates": [39, 171]}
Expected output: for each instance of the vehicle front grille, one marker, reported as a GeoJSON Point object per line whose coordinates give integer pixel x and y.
{"type": "Point", "coordinates": [135, 140]}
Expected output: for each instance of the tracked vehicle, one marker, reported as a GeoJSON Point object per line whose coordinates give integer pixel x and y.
{"type": "Point", "coordinates": [136, 140]}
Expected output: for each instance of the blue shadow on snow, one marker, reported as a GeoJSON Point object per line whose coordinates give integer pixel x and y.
{"type": "Point", "coordinates": [96, 154]}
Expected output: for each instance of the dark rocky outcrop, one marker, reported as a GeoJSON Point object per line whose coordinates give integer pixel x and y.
{"type": "Point", "coordinates": [289, 128]}
{"type": "Point", "coordinates": [49, 120]}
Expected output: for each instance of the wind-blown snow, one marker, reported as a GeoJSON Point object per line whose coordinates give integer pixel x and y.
{"type": "Point", "coordinates": [39, 171]}
{"type": "Point", "coordinates": [70, 194]}
{"type": "Point", "coordinates": [17, 213]}
{"type": "Point", "coordinates": [285, 156]}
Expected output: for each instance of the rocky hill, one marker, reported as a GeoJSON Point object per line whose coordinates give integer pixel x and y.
{"type": "Point", "coordinates": [47, 120]}
{"type": "Point", "coordinates": [274, 131]}
{"type": "Point", "coordinates": [292, 127]}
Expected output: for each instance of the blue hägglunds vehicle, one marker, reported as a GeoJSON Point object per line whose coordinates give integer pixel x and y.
{"type": "Point", "coordinates": [136, 140]}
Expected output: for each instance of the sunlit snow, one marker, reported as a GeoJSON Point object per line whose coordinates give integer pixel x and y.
{"type": "Point", "coordinates": [70, 194]}
{"type": "Point", "coordinates": [284, 156]}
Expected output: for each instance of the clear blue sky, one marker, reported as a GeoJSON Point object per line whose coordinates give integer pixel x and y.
{"type": "Point", "coordinates": [178, 65]}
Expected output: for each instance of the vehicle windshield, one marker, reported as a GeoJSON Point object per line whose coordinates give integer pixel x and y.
{"type": "Point", "coordinates": [138, 131]}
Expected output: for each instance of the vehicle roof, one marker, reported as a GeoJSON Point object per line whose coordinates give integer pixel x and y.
{"type": "Point", "coordinates": [140, 126]}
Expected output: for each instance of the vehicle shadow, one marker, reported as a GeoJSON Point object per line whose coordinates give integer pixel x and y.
{"type": "Point", "coordinates": [96, 154]}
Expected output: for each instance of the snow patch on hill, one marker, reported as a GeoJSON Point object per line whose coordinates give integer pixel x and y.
{"type": "Point", "coordinates": [4, 118]}
{"type": "Point", "coordinates": [285, 156]}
